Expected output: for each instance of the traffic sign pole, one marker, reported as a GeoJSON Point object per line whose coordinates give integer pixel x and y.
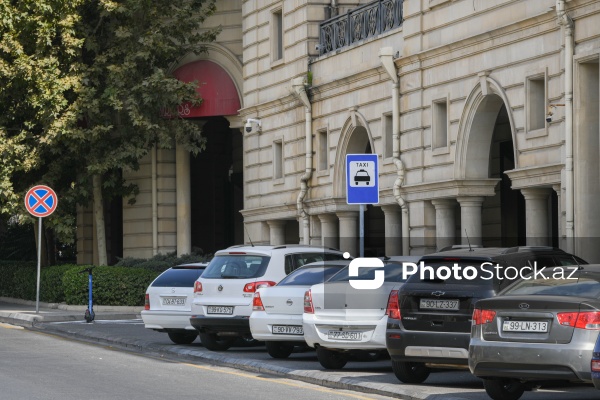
{"type": "Point", "coordinates": [40, 201]}
{"type": "Point", "coordinates": [362, 230]}
{"type": "Point", "coordinates": [39, 267]}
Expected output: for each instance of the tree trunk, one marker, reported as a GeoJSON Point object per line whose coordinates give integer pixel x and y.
{"type": "Point", "coordinates": [99, 219]}
{"type": "Point", "coordinates": [50, 245]}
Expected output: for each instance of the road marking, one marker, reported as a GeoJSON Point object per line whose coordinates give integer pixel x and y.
{"type": "Point", "coordinates": [278, 381]}
{"type": "Point", "coordinates": [8, 326]}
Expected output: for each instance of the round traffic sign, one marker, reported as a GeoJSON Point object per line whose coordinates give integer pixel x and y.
{"type": "Point", "coordinates": [41, 201]}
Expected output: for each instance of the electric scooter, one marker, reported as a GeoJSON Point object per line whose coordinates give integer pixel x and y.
{"type": "Point", "coordinates": [89, 313]}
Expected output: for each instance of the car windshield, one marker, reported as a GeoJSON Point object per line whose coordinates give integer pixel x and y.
{"type": "Point", "coordinates": [576, 285]}
{"type": "Point", "coordinates": [178, 277]}
{"type": "Point", "coordinates": [310, 276]}
{"type": "Point", "coordinates": [238, 266]}
{"type": "Point", "coordinates": [393, 273]}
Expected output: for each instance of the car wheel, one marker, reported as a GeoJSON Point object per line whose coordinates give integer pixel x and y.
{"type": "Point", "coordinates": [331, 359]}
{"type": "Point", "coordinates": [182, 337]}
{"type": "Point", "coordinates": [279, 349]}
{"type": "Point", "coordinates": [504, 389]}
{"type": "Point", "coordinates": [410, 372]}
{"type": "Point", "coordinates": [214, 342]}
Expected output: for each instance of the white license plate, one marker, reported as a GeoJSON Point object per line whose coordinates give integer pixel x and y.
{"type": "Point", "coordinates": [219, 310]}
{"type": "Point", "coordinates": [287, 330]}
{"type": "Point", "coordinates": [173, 301]}
{"type": "Point", "coordinates": [435, 304]}
{"type": "Point", "coordinates": [524, 326]}
{"type": "Point", "coordinates": [344, 335]}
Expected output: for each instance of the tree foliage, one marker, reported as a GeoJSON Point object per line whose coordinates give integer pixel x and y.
{"type": "Point", "coordinates": [85, 86]}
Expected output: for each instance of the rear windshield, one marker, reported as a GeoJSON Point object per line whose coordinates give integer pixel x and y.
{"type": "Point", "coordinates": [178, 277]}
{"type": "Point", "coordinates": [309, 276]}
{"type": "Point", "coordinates": [563, 284]}
{"type": "Point", "coordinates": [393, 273]}
{"type": "Point", "coordinates": [236, 266]}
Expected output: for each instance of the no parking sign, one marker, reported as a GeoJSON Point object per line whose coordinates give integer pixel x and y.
{"type": "Point", "coordinates": [40, 201]}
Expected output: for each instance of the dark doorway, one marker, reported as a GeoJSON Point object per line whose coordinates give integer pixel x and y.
{"type": "Point", "coordinates": [217, 188]}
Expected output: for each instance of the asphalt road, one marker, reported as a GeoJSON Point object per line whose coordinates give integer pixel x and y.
{"type": "Point", "coordinates": [34, 365]}
{"type": "Point", "coordinates": [447, 383]}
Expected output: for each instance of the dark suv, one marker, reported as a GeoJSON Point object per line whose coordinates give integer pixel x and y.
{"type": "Point", "coordinates": [429, 324]}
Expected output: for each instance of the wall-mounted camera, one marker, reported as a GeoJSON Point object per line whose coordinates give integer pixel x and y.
{"type": "Point", "coordinates": [549, 117]}
{"type": "Point", "coordinates": [550, 111]}
{"type": "Point", "coordinates": [251, 122]}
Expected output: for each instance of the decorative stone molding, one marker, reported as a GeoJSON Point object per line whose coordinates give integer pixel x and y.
{"type": "Point", "coordinates": [543, 175]}
{"type": "Point", "coordinates": [453, 188]}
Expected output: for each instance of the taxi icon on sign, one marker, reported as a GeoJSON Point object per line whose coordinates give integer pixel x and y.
{"type": "Point", "coordinates": [362, 176]}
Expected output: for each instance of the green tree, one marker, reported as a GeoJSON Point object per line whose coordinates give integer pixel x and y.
{"type": "Point", "coordinates": [40, 75]}
{"type": "Point", "coordinates": [87, 89]}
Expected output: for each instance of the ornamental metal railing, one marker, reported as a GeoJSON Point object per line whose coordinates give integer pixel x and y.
{"type": "Point", "coordinates": [358, 24]}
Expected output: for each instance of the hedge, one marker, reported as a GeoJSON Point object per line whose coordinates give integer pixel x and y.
{"type": "Point", "coordinates": [121, 285]}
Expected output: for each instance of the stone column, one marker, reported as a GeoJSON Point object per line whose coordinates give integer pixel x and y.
{"type": "Point", "coordinates": [536, 216]}
{"type": "Point", "coordinates": [329, 231]}
{"type": "Point", "coordinates": [184, 200]}
{"type": "Point", "coordinates": [393, 229]}
{"type": "Point", "coordinates": [445, 225]}
{"type": "Point", "coordinates": [349, 232]}
{"type": "Point", "coordinates": [470, 219]}
{"type": "Point", "coordinates": [277, 232]}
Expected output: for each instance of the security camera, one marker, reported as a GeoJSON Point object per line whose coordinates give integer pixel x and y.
{"type": "Point", "coordinates": [548, 118]}
{"type": "Point", "coordinates": [317, 47]}
{"type": "Point", "coordinates": [250, 127]}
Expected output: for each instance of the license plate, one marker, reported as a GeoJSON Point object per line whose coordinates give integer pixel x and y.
{"type": "Point", "coordinates": [219, 310]}
{"type": "Point", "coordinates": [344, 335]}
{"type": "Point", "coordinates": [173, 301]}
{"type": "Point", "coordinates": [287, 330]}
{"type": "Point", "coordinates": [435, 304]}
{"type": "Point", "coordinates": [524, 326]}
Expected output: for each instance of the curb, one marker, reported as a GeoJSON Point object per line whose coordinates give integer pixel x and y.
{"type": "Point", "coordinates": [67, 307]}
{"type": "Point", "coordinates": [315, 377]}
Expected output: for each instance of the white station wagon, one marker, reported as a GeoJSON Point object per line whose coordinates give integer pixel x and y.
{"type": "Point", "coordinates": [224, 293]}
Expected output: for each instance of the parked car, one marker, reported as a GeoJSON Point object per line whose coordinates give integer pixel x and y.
{"type": "Point", "coordinates": [430, 321]}
{"type": "Point", "coordinates": [168, 302]}
{"type": "Point", "coordinates": [339, 319]}
{"type": "Point", "coordinates": [276, 315]}
{"type": "Point", "coordinates": [537, 330]}
{"type": "Point", "coordinates": [223, 295]}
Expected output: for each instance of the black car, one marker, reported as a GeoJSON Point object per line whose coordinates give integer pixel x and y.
{"type": "Point", "coordinates": [430, 322]}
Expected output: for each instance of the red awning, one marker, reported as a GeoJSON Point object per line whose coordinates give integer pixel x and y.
{"type": "Point", "coordinates": [218, 92]}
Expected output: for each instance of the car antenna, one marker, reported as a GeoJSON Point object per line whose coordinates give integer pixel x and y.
{"type": "Point", "coordinates": [249, 238]}
{"type": "Point", "coordinates": [468, 241]}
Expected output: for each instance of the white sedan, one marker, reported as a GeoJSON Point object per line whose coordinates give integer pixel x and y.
{"type": "Point", "coordinates": [277, 310]}
{"type": "Point", "coordinates": [338, 318]}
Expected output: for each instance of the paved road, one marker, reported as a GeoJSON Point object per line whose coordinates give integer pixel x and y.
{"type": "Point", "coordinates": [38, 366]}
{"type": "Point", "coordinates": [441, 385]}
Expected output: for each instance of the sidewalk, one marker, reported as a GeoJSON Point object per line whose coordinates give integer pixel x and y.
{"type": "Point", "coordinates": [22, 312]}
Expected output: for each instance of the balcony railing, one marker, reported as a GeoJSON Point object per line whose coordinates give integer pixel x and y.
{"type": "Point", "coordinates": [358, 24]}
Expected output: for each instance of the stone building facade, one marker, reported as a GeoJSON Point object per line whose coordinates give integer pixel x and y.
{"type": "Point", "coordinates": [485, 117]}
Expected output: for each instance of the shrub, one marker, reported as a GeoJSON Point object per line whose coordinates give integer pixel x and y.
{"type": "Point", "coordinates": [112, 286]}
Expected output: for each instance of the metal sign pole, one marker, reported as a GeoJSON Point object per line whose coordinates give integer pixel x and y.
{"type": "Point", "coordinates": [39, 265]}
{"type": "Point", "coordinates": [362, 230]}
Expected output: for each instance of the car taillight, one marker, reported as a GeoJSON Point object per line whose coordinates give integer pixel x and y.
{"type": "Point", "coordinates": [252, 286]}
{"type": "Point", "coordinates": [308, 304]}
{"type": "Point", "coordinates": [393, 308]}
{"type": "Point", "coordinates": [580, 320]}
{"type": "Point", "coordinates": [197, 287]}
{"type": "Point", "coordinates": [481, 317]}
{"type": "Point", "coordinates": [257, 304]}
{"type": "Point", "coordinates": [147, 302]}
{"type": "Point", "coordinates": [596, 365]}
